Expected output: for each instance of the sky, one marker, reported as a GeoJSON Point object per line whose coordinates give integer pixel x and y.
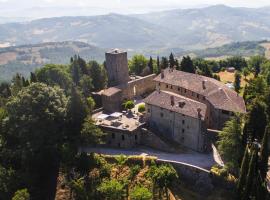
{"type": "Point", "coordinates": [49, 8]}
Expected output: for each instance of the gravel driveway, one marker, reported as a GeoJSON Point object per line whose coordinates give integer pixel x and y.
{"type": "Point", "coordinates": [201, 160]}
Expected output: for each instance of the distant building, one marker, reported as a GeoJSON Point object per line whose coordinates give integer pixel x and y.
{"type": "Point", "coordinates": [230, 69]}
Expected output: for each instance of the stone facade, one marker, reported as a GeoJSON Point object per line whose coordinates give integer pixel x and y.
{"type": "Point", "coordinates": [221, 101]}
{"type": "Point", "coordinates": [117, 67]}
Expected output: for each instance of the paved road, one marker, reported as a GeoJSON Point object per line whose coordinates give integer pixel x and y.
{"type": "Point", "coordinates": [201, 160]}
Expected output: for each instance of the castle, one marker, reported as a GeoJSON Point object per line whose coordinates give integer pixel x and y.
{"type": "Point", "coordinates": [180, 106]}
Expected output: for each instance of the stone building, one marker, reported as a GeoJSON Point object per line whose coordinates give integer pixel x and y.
{"type": "Point", "coordinates": [185, 105]}
{"type": "Point", "coordinates": [179, 118]}
{"type": "Point", "coordinates": [221, 101]}
{"type": "Point", "coordinates": [123, 87]}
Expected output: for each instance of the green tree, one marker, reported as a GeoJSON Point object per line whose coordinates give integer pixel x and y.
{"type": "Point", "coordinates": [264, 154]}
{"type": "Point", "coordinates": [21, 195]}
{"type": "Point", "coordinates": [237, 81]}
{"type": "Point", "coordinates": [237, 62]}
{"type": "Point", "coordinates": [245, 72]}
{"type": "Point", "coordinates": [151, 65]}
{"type": "Point", "coordinates": [187, 65]}
{"type": "Point", "coordinates": [75, 72]}
{"type": "Point", "coordinates": [257, 119]}
{"type": "Point", "coordinates": [243, 172]}
{"type": "Point", "coordinates": [140, 193]}
{"type": "Point", "coordinates": [164, 63]}
{"type": "Point", "coordinates": [54, 75]}
{"type": "Point", "coordinates": [91, 134]}
{"type": "Point", "coordinates": [171, 60]}
{"type": "Point", "coordinates": [255, 63]}
{"type": "Point", "coordinates": [98, 75]}
{"type": "Point", "coordinates": [141, 108]}
{"type": "Point", "coordinates": [112, 190]}
{"type": "Point", "coordinates": [251, 175]}
{"type": "Point", "coordinates": [137, 64]}
{"type": "Point", "coordinates": [41, 111]}
{"type": "Point", "coordinates": [86, 85]}
{"type": "Point", "coordinates": [91, 104]}
{"type": "Point", "coordinates": [230, 144]}
{"type": "Point", "coordinates": [158, 66]}
{"type": "Point", "coordinates": [128, 105]}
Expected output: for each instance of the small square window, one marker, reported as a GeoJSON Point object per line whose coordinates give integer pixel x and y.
{"type": "Point", "coordinates": [183, 130]}
{"type": "Point", "coordinates": [148, 110]}
{"type": "Point", "coordinates": [178, 89]}
{"type": "Point", "coordinates": [185, 91]}
{"type": "Point", "coordinates": [123, 137]}
{"type": "Point", "coordinates": [171, 87]}
{"type": "Point", "coordinates": [161, 114]}
{"type": "Point", "coordinates": [167, 86]}
{"type": "Point", "coordinates": [198, 96]}
{"type": "Point", "coordinates": [135, 137]}
{"type": "Point", "coordinates": [183, 121]}
{"type": "Point", "coordinates": [159, 84]}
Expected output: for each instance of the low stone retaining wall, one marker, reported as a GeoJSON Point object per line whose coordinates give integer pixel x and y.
{"type": "Point", "coordinates": [199, 178]}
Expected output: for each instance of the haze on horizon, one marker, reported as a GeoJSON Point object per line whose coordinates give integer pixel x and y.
{"type": "Point", "coordinates": [54, 8]}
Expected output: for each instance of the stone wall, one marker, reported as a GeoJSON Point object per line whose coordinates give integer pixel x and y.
{"type": "Point", "coordinates": [150, 139]}
{"type": "Point", "coordinates": [139, 87]}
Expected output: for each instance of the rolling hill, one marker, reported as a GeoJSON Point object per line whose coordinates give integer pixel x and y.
{"type": "Point", "coordinates": [182, 28]}
{"type": "Point", "coordinates": [26, 58]}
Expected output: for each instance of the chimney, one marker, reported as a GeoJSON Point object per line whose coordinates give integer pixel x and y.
{"type": "Point", "coordinates": [181, 104]}
{"type": "Point", "coordinates": [162, 74]}
{"type": "Point", "coordinates": [204, 84]}
{"type": "Point", "coordinates": [199, 110]}
{"type": "Point", "coordinates": [172, 100]}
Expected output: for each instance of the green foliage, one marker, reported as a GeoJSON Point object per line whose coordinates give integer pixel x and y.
{"type": "Point", "coordinates": [187, 65]}
{"type": "Point", "coordinates": [237, 62]}
{"type": "Point", "coordinates": [137, 64]}
{"type": "Point", "coordinates": [112, 189]}
{"type": "Point", "coordinates": [21, 195]}
{"type": "Point", "coordinates": [128, 105]}
{"type": "Point", "coordinates": [243, 171]}
{"type": "Point", "coordinates": [140, 193]}
{"type": "Point", "coordinates": [86, 85]}
{"type": "Point", "coordinates": [54, 75]}
{"type": "Point", "coordinates": [264, 153]}
{"type": "Point", "coordinates": [134, 170]}
{"type": "Point", "coordinates": [257, 119]}
{"type": "Point", "coordinates": [237, 82]}
{"type": "Point", "coordinates": [141, 108]}
{"type": "Point", "coordinates": [121, 159]}
{"type": "Point", "coordinates": [91, 134]}
{"type": "Point", "coordinates": [230, 143]}
{"type": "Point", "coordinates": [255, 63]}
{"type": "Point", "coordinates": [8, 182]}
{"type": "Point", "coordinates": [91, 103]}
{"type": "Point", "coordinates": [98, 75]}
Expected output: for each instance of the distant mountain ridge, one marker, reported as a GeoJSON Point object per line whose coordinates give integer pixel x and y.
{"type": "Point", "coordinates": [181, 28]}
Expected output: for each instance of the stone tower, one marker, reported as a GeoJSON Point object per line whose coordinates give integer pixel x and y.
{"type": "Point", "coordinates": [117, 67]}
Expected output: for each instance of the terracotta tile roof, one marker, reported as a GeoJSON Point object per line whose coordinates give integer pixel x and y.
{"type": "Point", "coordinates": [111, 91]}
{"type": "Point", "coordinates": [163, 99]}
{"type": "Point", "coordinates": [217, 93]}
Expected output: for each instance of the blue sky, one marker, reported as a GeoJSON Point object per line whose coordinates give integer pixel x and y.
{"type": "Point", "coordinates": [28, 8]}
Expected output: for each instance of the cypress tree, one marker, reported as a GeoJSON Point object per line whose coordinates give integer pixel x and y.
{"type": "Point", "coordinates": [243, 171]}
{"type": "Point", "coordinates": [171, 60]}
{"type": "Point", "coordinates": [250, 175]}
{"type": "Point", "coordinates": [264, 154]}
{"type": "Point", "coordinates": [237, 82]}
{"type": "Point", "coordinates": [158, 65]}
{"type": "Point", "coordinates": [33, 77]}
{"type": "Point", "coordinates": [150, 65]}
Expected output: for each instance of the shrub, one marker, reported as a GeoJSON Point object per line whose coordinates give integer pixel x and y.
{"type": "Point", "coordinates": [128, 105]}
{"type": "Point", "coordinates": [141, 108]}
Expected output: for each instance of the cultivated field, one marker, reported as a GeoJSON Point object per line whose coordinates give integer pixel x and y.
{"type": "Point", "coordinates": [227, 77]}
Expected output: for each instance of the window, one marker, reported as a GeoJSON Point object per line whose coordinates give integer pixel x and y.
{"type": "Point", "coordinates": [113, 135]}
{"type": "Point", "coordinates": [159, 84]}
{"type": "Point", "coordinates": [171, 87]}
{"type": "Point", "coordinates": [148, 110]}
{"type": "Point", "coordinates": [183, 115]}
{"type": "Point", "coordinates": [167, 86]}
{"type": "Point", "coordinates": [225, 112]}
{"type": "Point", "coordinates": [178, 88]}
{"type": "Point", "coordinates": [183, 121]}
{"type": "Point", "coordinates": [183, 130]}
{"type": "Point", "coordinates": [198, 96]}
{"type": "Point", "coordinates": [203, 98]}
{"type": "Point", "coordinates": [123, 137]}
{"type": "Point", "coordinates": [185, 91]}
{"type": "Point", "coordinates": [192, 94]}
{"type": "Point", "coordinates": [161, 114]}
{"type": "Point", "coordinates": [135, 137]}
